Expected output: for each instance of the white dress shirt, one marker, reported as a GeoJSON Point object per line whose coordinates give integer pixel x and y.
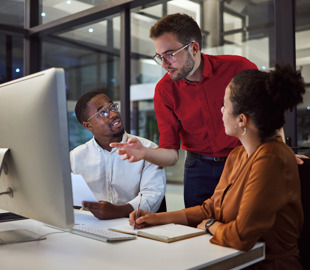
{"type": "Point", "coordinates": [117, 181]}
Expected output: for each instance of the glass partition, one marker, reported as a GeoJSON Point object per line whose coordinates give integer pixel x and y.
{"type": "Point", "coordinates": [11, 57]}
{"type": "Point", "coordinates": [57, 9]}
{"type": "Point", "coordinates": [303, 63]}
{"type": "Point", "coordinates": [90, 57]}
{"type": "Point", "coordinates": [12, 12]}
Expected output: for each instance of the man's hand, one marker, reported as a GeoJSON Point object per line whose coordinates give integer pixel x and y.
{"type": "Point", "coordinates": [106, 210]}
{"type": "Point", "coordinates": [133, 150]}
{"type": "Point", "coordinates": [299, 159]}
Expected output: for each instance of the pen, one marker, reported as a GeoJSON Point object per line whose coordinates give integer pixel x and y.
{"type": "Point", "coordinates": [137, 213]}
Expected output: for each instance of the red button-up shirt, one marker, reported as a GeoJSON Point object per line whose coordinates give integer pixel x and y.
{"type": "Point", "coordinates": [191, 111]}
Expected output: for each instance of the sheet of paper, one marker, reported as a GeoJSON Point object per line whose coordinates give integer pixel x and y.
{"type": "Point", "coordinates": [86, 217]}
{"type": "Point", "coordinates": [81, 191]}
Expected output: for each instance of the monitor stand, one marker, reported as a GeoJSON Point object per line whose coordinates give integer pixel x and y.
{"type": "Point", "coordinates": [3, 154]}
{"type": "Point", "coordinates": [14, 236]}
{"type": "Point", "coordinates": [19, 236]}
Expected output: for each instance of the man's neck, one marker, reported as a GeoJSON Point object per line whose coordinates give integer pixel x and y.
{"type": "Point", "coordinates": [196, 74]}
{"type": "Point", "coordinates": [105, 142]}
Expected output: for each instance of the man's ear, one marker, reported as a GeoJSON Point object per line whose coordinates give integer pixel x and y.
{"type": "Point", "coordinates": [87, 125]}
{"type": "Point", "coordinates": [195, 48]}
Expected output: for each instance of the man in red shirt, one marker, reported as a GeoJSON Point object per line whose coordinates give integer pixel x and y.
{"type": "Point", "coordinates": [188, 101]}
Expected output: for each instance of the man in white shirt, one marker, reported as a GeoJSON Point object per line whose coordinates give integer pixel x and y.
{"type": "Point", "coordinates": [116, 184]}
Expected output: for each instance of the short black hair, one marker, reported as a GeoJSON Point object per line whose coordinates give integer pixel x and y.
{"type": "Point", "coordinates": [81, 108]}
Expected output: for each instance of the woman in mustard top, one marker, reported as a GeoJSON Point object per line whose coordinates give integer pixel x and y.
{"type": "Point", "coordinates": [258, 195]}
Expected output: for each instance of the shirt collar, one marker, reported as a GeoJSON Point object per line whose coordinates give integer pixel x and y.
{"type": "Point", "coordinates": [125, 137]}
{"type": "Point", "coordinates": [207, 71]}
{"type": "Point", "coordinates": [99, 148]}
{"type": "Point", "coordinates": [207, 68]}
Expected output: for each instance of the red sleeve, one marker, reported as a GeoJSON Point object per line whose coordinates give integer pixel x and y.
{"type": "Point", "coordinates": [168, 124]}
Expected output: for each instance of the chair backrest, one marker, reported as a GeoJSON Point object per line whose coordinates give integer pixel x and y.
{"type": "Point", "coordinates": [304, 242]}
{"type": "Point", "coordinates": [162, 207]}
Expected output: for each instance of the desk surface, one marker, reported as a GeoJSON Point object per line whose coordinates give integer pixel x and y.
{"type": "Point", "coordinates": [63, 250]}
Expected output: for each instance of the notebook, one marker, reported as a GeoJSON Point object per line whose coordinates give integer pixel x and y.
{"type": "Point", "coordinates": [166, 233]}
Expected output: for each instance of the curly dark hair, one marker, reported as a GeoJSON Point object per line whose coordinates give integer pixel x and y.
{"type": "Point", "coordinates": [81, 108]}
{"type": "Point", "coordinates": [265, 96]}
{"type": "Point", "coordinates": [183, 26]}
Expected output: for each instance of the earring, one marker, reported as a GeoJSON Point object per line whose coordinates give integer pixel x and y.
{"type": "Point", "coordinates": [244, 131]}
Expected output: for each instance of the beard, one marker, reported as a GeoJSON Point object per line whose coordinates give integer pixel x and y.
{"type": "Point", "coordinates": [186, 69]}
{"type": "Point", "coordinates": [116, 132]}
{"type": "Point", "coordinates": [119, 133]}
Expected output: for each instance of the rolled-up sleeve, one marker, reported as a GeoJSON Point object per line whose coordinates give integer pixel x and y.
{"type": "Point", "coordinates": [152, 188]}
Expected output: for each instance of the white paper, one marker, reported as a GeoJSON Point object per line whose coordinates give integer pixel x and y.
{"type": "Point", "coordinates": [81, 191]}
{"type": "Point", "coordinates": [87, 218]}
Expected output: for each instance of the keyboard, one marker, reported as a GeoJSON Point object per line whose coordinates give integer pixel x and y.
{"type": "Point", "coordinates": [99, 233]}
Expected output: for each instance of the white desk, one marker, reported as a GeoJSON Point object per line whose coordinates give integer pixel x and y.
{"type": "Point", "coordinates": [63, 250]}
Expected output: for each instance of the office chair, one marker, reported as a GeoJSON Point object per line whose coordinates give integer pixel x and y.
{"type": "Point", "coordinates": [162, 207]}
{"type": "Point", "coordinates": [304, 241]}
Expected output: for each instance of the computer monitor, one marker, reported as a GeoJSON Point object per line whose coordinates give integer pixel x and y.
{"type": "Point", "coordinates": [35, 180]}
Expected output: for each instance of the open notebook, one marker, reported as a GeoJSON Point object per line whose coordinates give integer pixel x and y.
{"type": "Point", "coordinates": [166, 233]}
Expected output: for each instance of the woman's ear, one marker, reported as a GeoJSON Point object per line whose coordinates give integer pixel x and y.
{"type": "Point", "coordinates": [243, 120]}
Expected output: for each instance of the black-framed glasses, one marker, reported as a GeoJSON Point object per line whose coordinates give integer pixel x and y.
{"type": "Point", "coordinates": [168, 57]}
{"type": "Point", "coordinates": [105, 112]}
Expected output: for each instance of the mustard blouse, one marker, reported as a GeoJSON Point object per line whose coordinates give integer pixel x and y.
{"type": "Point", "coordinates": [257, 199]}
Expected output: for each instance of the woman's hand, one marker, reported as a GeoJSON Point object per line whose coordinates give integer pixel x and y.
{"type": "Point", "coordinates": [144, 219]}
{"type": "Point", "coordinates": [211, 229]}
{"type": "Point", "coordinates": [202, 225]}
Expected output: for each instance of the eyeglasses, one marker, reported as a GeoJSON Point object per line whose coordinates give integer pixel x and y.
{"type": "Point", "coordinates": [168, 57]}
{"type": "Point", "coordinates": [105, 112]}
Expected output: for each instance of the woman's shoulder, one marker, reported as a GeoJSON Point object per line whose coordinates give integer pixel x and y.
{"type": "Point", "coordinates": [275, 146]}
{"type": "Point", "coordinates": [239, 150]}
{"type": "Point", "coordinates": [236, 154]}
{"type": "Point", "coordinates": [277, 151]}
